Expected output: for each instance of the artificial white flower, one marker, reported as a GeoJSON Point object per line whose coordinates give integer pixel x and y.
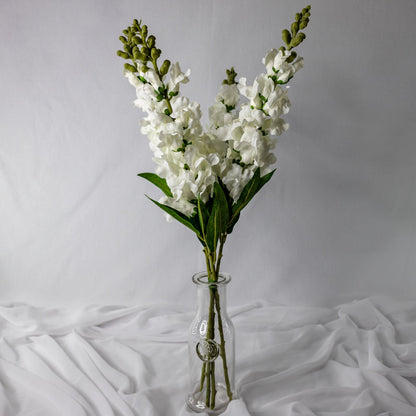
{"type": "Point", "coordinates": [228, 95]}
{"type": "Point", "coordinates": [176, 77]}
{"type": "Point", "coordinates": [274, 60]}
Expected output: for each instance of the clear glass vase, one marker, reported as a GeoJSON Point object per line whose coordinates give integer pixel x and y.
{"type": "Point", "coordinates": [211, 346]}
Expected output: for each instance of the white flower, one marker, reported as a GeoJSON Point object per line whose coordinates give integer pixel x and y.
{"type": "Point", "coordinates": [252, 116]}
{"type": "Point", "coordinates": [287, 70]}
{"type": "Point", "coordinates": [228, 95]}
{"type": "Point", "coordinates": [152, 78]}
{"type": "Point", "coordinates": [177, 77]}
{"type": "Point", "coordinates": [275, 59]}
{"type": "Point", "coordinates": [219, 116]}
{"type": "Point", "coordinates": [236, 178]}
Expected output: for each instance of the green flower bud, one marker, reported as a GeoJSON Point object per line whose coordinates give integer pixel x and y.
{"type": "Point", "coordinates": [136, 40]}
{"type": "Point", "coordinates": [144, 32]}
{"type": "Point", "coordinates": [294, 28]}
{"type": "Point", "coordinates": [144, 68]}
{"type": "Point", "coordinates": [127, 48]}
{"type": "Point", "coordinates": [283, 49]}
{"type": "Point", "coordinates": [123, 39]}
{"type": "Point", "coordinates": [123, 54]}
{"type": "Point", "coordinates": [151, 41]}
{"type": "Point", "coordinates": [299, 38]}
{"type": "Point", "coordinates": [286, 36]}
{"type": "Point", "coordinates": [130, 68]}
{"type": "Point", "coordinates": [136, 23]}
{"type": "Point", "coordinates": [142, 57]}
{"type": "Point", "coordinates": [155, 53]}
{"type": "Point", "coordinates": [125, 31]}
{"type": "Point", "coordinates": [136, 52]}
{"type": "Point", "coordinates": [145, 51]}
{"type": "Point", "coordinates": [303, 24]}
{"type": "Point", "coordinates": [165, 67]}
{"type": "Point", "coordinates": [292, 57]}
{"type": "Point", "coordinates": [297, 17]}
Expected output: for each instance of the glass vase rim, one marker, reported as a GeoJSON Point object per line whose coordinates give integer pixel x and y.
{"type": "Point", "coordinates": [201, 279]}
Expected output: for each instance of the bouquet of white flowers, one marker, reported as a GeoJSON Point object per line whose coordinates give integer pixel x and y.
{"type": "Point", "coordinates": [209, 176]}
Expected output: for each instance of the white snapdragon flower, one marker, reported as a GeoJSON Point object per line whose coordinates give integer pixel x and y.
{"type": "Point", "coordinates": [152, 77]}
{"type": "Point", "coordinates": [228, 95]}
{"type": "Point", "coordinates": [287, 71]}
{"type": "Point", "coordinates": [176, 77]}
{"type": "Point", "coordinates": [187, 115]}
{"type": "Point", "coordinates": [277, 103]}
{"type": "Point", "coordinates": [274, 60]}
{"type": "Point", "coordinates": [252, 116]}
{"type": "Point", "coordinates": [235, 178]}
{"type": "Point", "coordinates": [220, 117]}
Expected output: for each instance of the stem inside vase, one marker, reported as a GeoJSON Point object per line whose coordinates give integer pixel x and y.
{"type": "Point", "coordinates": [212, 341]}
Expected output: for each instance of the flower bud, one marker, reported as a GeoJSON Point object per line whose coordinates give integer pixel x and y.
{"type": "Point", "coordinates": [151, 41]}
{"type": "Point", "coordinates": [299, 38]}
{"type": "Point", "coordinates": [127, 48]}
{"type": "Point", "coordinates": [142, 57]}
{"type": "Point", "coordinates": [294, 28]}
{"type": "Point", "coordinates": [136, 40]}
{"type": "Point", "coordinates": [144, 31]}
{"type": "Point", "coordinates": [145, 51]}
{"type": "Point", "coordinates": [286, 36]}
{"type": "Point", "coordinates": [136, 52]}
{"type": "Point", "coordinates": [130, 68]}
{"type": "Point", "coordinates": [303, 24]}
{"type": "Point", "coordinates": [123, 39]}
{"type": "Point", "coordinates": [144, 68]}
{"type": "Point", "coordinates": [123, 54]}
{"type": "Point", "coordinates": [297, 17]}
{"type": "Point", "coordinates": [292, 57]}
{"type": "Point", "coordinates": [136, 23]}
{"type": "Point", "coordinates": [165, 67]}
{"type": "Point", "coordinates": [155, 53]}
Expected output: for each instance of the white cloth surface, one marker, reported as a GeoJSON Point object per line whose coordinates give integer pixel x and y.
{"type": "Point", "coordinates": [358, 359]}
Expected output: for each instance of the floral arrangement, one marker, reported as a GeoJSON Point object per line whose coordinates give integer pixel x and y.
{"type": "Point", "coordinates": [208, 176]}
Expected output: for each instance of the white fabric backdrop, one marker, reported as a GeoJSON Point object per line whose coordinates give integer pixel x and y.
{"type": "Point", "coordinates": [354, 360]}
{"type": "Point", "coordinates": [338, 219]}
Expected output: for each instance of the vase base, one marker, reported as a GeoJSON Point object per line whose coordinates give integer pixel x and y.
{"type": "Point", "coordinates": [196, 401]}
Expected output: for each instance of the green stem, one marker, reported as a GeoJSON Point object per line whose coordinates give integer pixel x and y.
{"type": "Point", "coordinates": [214, 389]}
{"type": "Point", "coordinates": [213, 263]}
{"type": "Point", "coordinates": [222, 347]}
{"type": "Point", "coordinates": [203, 372]}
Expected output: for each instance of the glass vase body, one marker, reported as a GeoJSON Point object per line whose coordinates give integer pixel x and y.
{"type": "Point", "coordinates": [211, 348]}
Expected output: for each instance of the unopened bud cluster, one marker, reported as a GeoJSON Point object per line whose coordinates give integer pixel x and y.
{"type": "Point", "coordinates": [294, 37]}
{"type": "Point", "coordinates": [141, 49]}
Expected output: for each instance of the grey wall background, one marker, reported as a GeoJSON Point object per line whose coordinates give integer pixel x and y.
{"type": "Point", "coordinates": [337, 222]}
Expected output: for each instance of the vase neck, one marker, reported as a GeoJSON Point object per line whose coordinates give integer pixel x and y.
{"type": "Point", "coordinates": [206, 290]}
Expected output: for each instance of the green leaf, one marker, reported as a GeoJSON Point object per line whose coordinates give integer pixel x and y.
{"type": "Point", "coordinates": [264, 179]}
{"type": "Point", "coordinates": [252, 187]}
{"type": "Point", "coordinates": [158, 181]}
{"type": "Point", "coordinates": [189, 222]}
{"type": "Point", "coordinates": [218, 220]}
{"type": "Point", "coordinates": [231, 224]}
{"type": "Point", "coordinates": [202, 215]}
{"type": "Point", "coordinates": [247, 193]}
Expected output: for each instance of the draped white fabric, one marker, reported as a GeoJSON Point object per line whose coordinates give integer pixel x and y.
{"type": "Point", "coordinates": [358, 359]}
